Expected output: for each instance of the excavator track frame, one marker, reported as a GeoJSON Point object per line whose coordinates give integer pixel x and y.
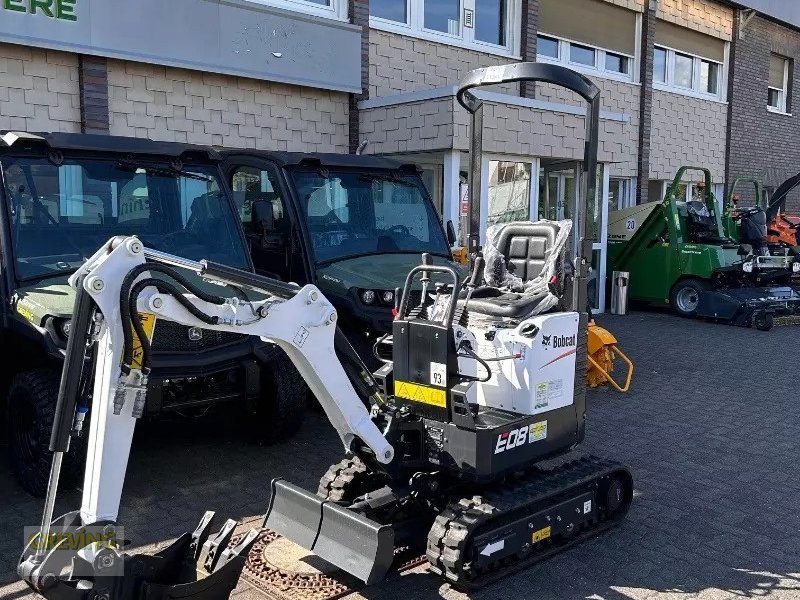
{"type": "Point", "coordinates": [535, 505]}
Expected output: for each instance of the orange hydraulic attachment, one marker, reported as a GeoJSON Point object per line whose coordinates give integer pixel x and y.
{"type": "Point", "coordinates": [602, 346]}
{"type": "Point", "coordinates": [785, 230]}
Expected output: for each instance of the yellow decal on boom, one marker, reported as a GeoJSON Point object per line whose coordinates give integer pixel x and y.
{"type": "Point", "coordinates": [541, 534]}
{"type": "Point", "coordinates": [26, 313]}
{"type": "Point", "coordinates": [420, 393]}
{"type": "Point", "coordinates": [149, 325]}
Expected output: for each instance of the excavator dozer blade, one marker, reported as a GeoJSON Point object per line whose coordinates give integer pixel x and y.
{"type": "Point", "coordinates": [342, 537]}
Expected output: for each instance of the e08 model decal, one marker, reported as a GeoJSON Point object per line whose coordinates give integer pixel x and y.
{"type": "Point", "coordinates": [519, 437]}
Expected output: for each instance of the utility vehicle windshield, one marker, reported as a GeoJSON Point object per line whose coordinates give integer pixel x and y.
{"type": "Point", "coordinates": [353, 214]}
{"type": "Point", "coordinates": [60, 215]}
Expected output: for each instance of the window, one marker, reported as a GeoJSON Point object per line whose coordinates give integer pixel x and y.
{"type": "Point", "coordinates": [686, 73]}
{"type": "Point", "coordinates": [442, 15]}
{"type": "Point", "coordinates": [778, 88]}
{"type": "Point", "coordinates": [660, 65]}
{"type": "Point", "coordinates": [688, 62]}
{"type": "Point", "coordinates": [604, 44]}
{"type": "Point", "coordinates": [391, 10]}
{"type": "Point", "coordinates": [684, 70]}
{"type": "Point", "coordinates": [547, 46]}
{"type": "Point", "coordinates": [509, 191]}
{"type": "Point", "coordinates": [335, 9]}
{"type": "Point", "coordinates": [617, 63]}
{"type": "Point", "coordinates": [582, 55]}
{"type": "Point", "coordinates": [350, 214]}
{"type": "Point", "coordinates": [61, 214]}
{"type": "Point", "coordinates": [490, 21]}
{"type": "Point", "coordinates": [709, 77]}
{"type": "Point", "coordinates": [491, 25]}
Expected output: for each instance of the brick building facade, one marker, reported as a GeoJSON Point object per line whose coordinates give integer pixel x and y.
{"type": "Point", "coordinates": [763, 142]}
{"type": "Point", "coordinates": [684, 82]}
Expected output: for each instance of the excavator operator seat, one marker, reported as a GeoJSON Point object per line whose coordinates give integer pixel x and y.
{"type": "Point", "coordinates": [519, 253]}
{"type": "Point", "coordinates": [526, 246]}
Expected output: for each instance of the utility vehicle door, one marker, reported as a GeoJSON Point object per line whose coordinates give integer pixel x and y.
{"type": "Point", "coordinates": [268, 218]}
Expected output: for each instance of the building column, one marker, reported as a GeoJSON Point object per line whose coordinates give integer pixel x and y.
{"type": "Point", "coordinates": [737, 16]}
{"type": "Point", "coordinates": [451, 192]}
{"type": "Point", "coordinates": [530, 27]}
{"type": "Point", "coordinates": [93, 88]}
{"type": "Point", "coordinates": [359, 15]}
{"type": "Point", "coordinates": [646, 102]}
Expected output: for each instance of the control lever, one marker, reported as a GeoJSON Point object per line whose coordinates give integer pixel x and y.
{"type": "Point", "coordinates": [475, 276]}
{"type": "Point", "coordinates": [426, 278]}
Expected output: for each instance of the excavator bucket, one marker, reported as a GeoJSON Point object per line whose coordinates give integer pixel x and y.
{"type": "Point", "coordinates": [197, 566]}
{"type": "Point", "coordinates": [342, 537]}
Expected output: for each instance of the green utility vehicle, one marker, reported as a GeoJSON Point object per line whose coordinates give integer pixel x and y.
{"type": "Point", "coordinates": [679, 253]}
{"type": "Point", "coordinates": [65, 195]}
{"type": "Point", "coordinates": [353, 225]}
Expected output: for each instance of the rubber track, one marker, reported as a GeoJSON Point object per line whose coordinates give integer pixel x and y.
{"type": "Point", "coordinates": [450, 537]}
{"type": "Point", "coordinates": [334, 484]}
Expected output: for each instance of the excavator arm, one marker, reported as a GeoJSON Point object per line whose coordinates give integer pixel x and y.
{"type": "Point", "coordinates": [119, 284]}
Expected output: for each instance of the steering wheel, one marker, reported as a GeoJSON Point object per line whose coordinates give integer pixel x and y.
{"type": "Point", "coordinates": [400, 229]}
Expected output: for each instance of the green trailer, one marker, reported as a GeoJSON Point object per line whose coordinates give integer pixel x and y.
{"type": "Point", "coordinates": [679, 253]}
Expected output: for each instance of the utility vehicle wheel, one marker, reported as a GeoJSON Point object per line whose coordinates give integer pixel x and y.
{"type": "Point", "coordinates": [30, 410]}
{"type": "Point", "coordinates": [685, 296]}
{"type": "Point", "coordinates": [763, 321]}
{"type": "Point", "coordinates": [281, 408]}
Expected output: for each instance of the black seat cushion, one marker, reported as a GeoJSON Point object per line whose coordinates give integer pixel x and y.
{"type": "Point", "coordinates": [509, 305]}
{"type": "Point", "coordinates": [525, 246]}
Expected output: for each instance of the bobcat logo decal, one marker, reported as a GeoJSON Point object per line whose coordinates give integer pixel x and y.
{"type": "Point", "coordinates": [546, 340]}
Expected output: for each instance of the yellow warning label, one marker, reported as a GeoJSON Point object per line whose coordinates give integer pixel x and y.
{"type": "Point", "coordinates": [149, 325]}
{"type": "Point", "coordinates": [541, 535]}
{"type": "Point", "coordinates": [420, 393]}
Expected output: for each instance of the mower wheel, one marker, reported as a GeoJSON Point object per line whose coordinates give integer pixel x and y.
{"type": "Point", "coordinates": [30, 411]}
{"type": "Point", "coordinates": [763, 320]}
{"type": "Point", "coordinates": [685, 296]}
{"type": "Point", "coordinates": [281, 408]}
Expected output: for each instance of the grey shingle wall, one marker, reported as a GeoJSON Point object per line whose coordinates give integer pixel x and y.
{"type": "Point", "coordinates": [169, 104]}
{"type": "Point", "coordinates": [38, 90]}
{"type": "Point", "coordinates": [763, 143]}
{"type": "Point", "coordinates": [687, 131]}
{"type": "Point", "coordinates": [400, 64]}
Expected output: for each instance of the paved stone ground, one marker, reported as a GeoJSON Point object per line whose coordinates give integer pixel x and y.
{"type": "Point", "coordinates": [710, 431]}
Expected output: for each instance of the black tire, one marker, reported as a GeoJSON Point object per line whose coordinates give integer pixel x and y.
{"type": "Point", "coordinates": [763, 321]}
{"type": "Point", "coordinates": [281, 408]}
{"type": "Point", "coordinates": [684, 296]}
{"type": "Point", "coordinates": [30, 410]}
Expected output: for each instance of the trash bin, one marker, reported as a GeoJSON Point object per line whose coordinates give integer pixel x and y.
{"type": "Point", "coordinates": [619, 292]}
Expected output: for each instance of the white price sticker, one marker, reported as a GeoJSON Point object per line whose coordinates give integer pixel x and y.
{"type": "Point", "coordinates": [438, 374]}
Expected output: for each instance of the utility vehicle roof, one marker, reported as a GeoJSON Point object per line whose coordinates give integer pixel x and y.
{"type": "Point", "coordinates": [89, 142]}
{"type": "Point", "coordinates": [328, 159]}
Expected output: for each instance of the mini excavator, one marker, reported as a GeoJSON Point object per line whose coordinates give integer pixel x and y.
{"type": "Point", "coordinates": [446, 444]}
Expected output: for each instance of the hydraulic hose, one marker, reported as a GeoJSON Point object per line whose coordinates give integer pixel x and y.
{"type": "Point", "coordinates": [125, 305]}
{"type": "Point", "coordinates": [136, 321]}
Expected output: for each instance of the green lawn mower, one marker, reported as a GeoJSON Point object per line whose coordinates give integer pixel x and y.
{"type": "Point", "coordinates": [680, 253]}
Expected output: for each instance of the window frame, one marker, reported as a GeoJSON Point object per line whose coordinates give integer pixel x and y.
{"type": "Point", "coordinates": [695, 91]}
{"type": "Point", "coordinates": [415, 27]}
{"type": "Point", "coordinates": [783, 94]}
{"type": "Point", "coordinates": [599, 68]}
{"type": "Point", "coordinates": [337, 9]}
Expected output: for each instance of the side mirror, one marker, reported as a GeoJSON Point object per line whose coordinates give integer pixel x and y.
{"type": "Point", "coordinates": [451, 233]}
{"type": "Point", "coordinates": [745, 250]}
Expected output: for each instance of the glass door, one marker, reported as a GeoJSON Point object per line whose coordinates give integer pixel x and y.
{"type": "Point", "coordinates": [560, 182]}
